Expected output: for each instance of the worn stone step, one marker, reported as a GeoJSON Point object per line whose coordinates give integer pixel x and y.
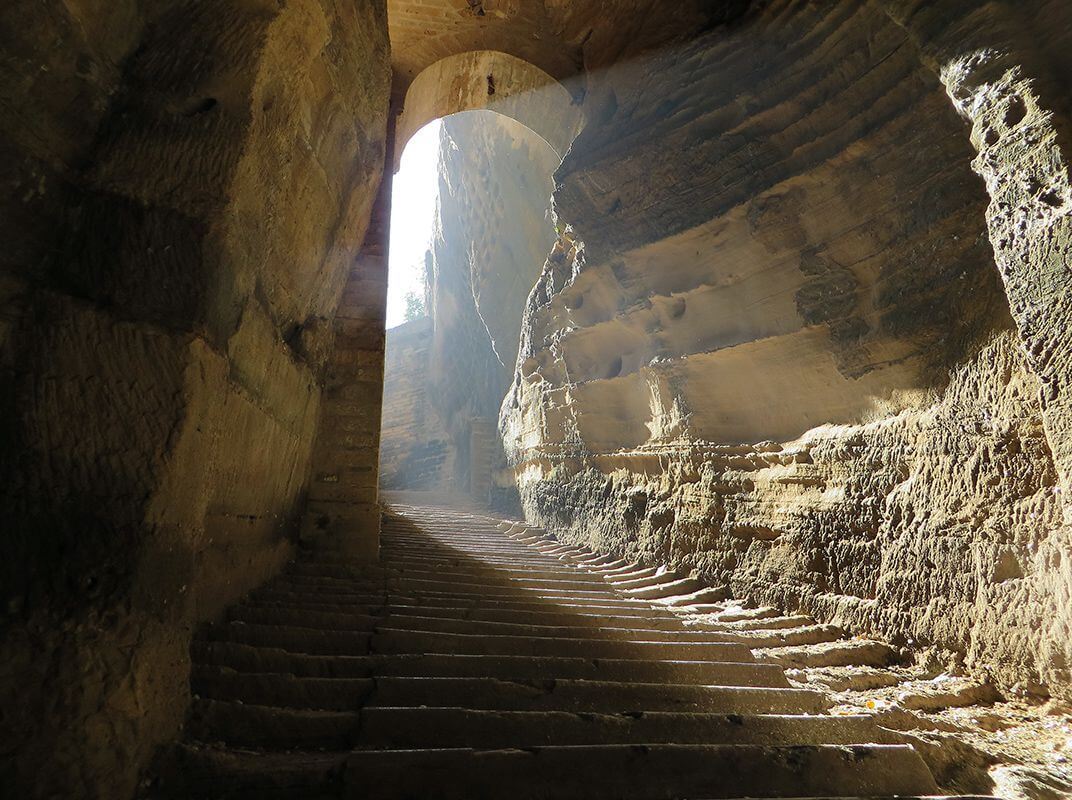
{"type": "Point", "coordinates": [522, 561]}
{"type": "Point", "coordinates": [617, 607]}
{"type": "Point", "coordinates": [335, 620]}
{"type": "Point", "coordinates": [392, 640]}
{"type": "Point", "coordinates": [448, 584]}
{"type": "Point", "coordinates": [850, 652]}
{"type": "Point", "coordinates": [580, 695]}
{"type": "Point", "coordinates": [706, 594]}
{"type": "Point", "coordinates": [282, 690]}
{"type": "Point", "coordinates": [249, 658]}
{"type": "Point", "coordinates": [681, 586]}
{"type": "Point", "coordinates": [248, 725]}
{"type": "Point", "coordinates": [476, 627]}
{"type": "Point", "coordinates": [625, 570]}
{"type": "Point", "coordinates": [643, 772]}
{"type": "Point", "coordinates": [428, 569]}
{"type": "Point", "coordinates": [763, 624]}
{"type": "Point", "coordinates": [348, 694]}
{"type": "Point", "coordinates": [543, 617]}
{"type": "Point", "coordinates": [434, 567]}
{"type": "Point", "coordinates": [398, 728]}
{"type": "Point", "coordinates": [415, 621]}
{"type": "Point", "coordinates": [640, 579]}
{"type": "Point", "coordinates": [203, 772]}
{"type": "Point", "coordinates": [507, 550]}
{"type": "Point", "coordinates": [503, 594]}
{"type": "Point", "coordinates": [721, 612]}
{"type": "Point", "coordinates": [790, 637]}
{"type": "Point", "coordinates": [447, 588]}
{"type": "Point", "coordinates": [640, 771]}
{"type": "Point", "coordinates": [292, 638]}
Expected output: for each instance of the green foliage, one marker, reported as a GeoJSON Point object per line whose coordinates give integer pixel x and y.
{"type": "Point", "coordinates": [415, 308]}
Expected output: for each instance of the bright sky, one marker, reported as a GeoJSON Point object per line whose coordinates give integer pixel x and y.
{"type": "Point", "coordinates": [413, 203]}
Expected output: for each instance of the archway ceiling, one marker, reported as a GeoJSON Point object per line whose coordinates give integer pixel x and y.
{"type": "Point", "coordinates": [425, 31]}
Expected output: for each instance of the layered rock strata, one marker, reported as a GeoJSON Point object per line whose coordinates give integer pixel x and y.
{"type": "Point", "coordinates": [784, 355]}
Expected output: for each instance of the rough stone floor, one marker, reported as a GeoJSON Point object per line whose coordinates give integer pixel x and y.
{"type": "Point", "coordinates": [486, 661]}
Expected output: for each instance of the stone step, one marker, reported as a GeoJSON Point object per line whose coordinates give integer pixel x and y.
{"type": "Point", "coordinates": [349, 694]}
{"type": "Point", "coordinates": [762, 624]}
{"type": "Point", "coordinates": [635, 608]}
{"type": "Point", "coordinates": [574, 695]}
{"type": "Point", "coordinates": [639, 771]}
{"type": "Point", "coordinates": [519, 551]}
{"type": "Point", "coordinates": [337, 620]}
{"type": "Point", "coordinates": [502, 549]}
{"type": "Point", "coordinates": [723, 613]}
{"type": "Point", "coordinates": [641, 579]}
{"type": "Point", "coordinates": [541, 617]}
{"type": "Point", "coordinates": [414, 622]}
{"type": "Point", "coordinates": [292, 638]}
{"type": "Point", "coordinates": [447, 584]}
{"type": "Point", "coordinates": [643, 772]}
{"type": "Point", "coordinates": [412, 728]}
{"type": "Point", "coordinates": [786, 637]}
{"type": "Point", "coordinates": [247, 725]}
{"type": "Point", "coordinates": [850, 652]}
{"type": "Point", "coordinates": [438, 568]}
{"type": "Point", "coordinates": [391, 640]}
{"type": "Point", "coordinates": [248, 658]}
{"type": "Point", "coordinates": [624, 568]}
{"type": "Point", "coordinates": [447, 588]}
{"type": "Point", "coordinates": [674, 588]}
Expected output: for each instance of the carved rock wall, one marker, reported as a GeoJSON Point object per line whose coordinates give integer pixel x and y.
{"type": "Point", "coordinates": [783, 355]}
{"type": "Point", "coordinates": [415, 452]}
{"type": "Point", "coordinates": [185, 187]}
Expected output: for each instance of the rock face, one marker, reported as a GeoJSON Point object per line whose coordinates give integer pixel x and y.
{"type": "Point", "coordinates": [415, 451]}
{"type": "Point", "coordinates": [492, 236]}
{"type": "Point", "coordinates": [783, 353]}
{"type": "Point", "coordinates": [185, 187]}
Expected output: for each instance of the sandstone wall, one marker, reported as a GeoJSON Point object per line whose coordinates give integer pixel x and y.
{"type": "Point", "coordinates": [492, 236]}
{"type": "Point", "coordinates": [784, 356]}
{"type": "Point", "coordinates": [415, 451]}
{"type": "Point", "coordinates": [186, 185]}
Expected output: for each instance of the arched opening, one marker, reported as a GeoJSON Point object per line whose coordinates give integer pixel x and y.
{"type": "Point", "coordinates": [478, 138]}
{"type": "Point", "coordinates": [471, 228]}
{"type": "Point", "coordinates": [496, 81]}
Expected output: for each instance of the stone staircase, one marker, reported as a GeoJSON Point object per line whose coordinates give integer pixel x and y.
{"type": "Point", "coordinates": [484, 661]}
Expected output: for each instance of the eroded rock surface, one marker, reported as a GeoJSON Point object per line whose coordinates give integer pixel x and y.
{"type": "Point", "coordinates": [778, 346]}
{"type": "Point", "coordinates": [185, 187]}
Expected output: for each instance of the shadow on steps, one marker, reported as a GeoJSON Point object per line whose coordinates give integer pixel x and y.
{"type": "Point", "coordinates": [468, 664]}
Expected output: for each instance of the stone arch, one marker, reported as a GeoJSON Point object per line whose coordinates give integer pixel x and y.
{"type": "Point", "coordinates": [495, 81]}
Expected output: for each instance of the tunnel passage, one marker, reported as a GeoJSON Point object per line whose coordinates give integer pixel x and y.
{"type": "Point", "coordinates": [802, 332]}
